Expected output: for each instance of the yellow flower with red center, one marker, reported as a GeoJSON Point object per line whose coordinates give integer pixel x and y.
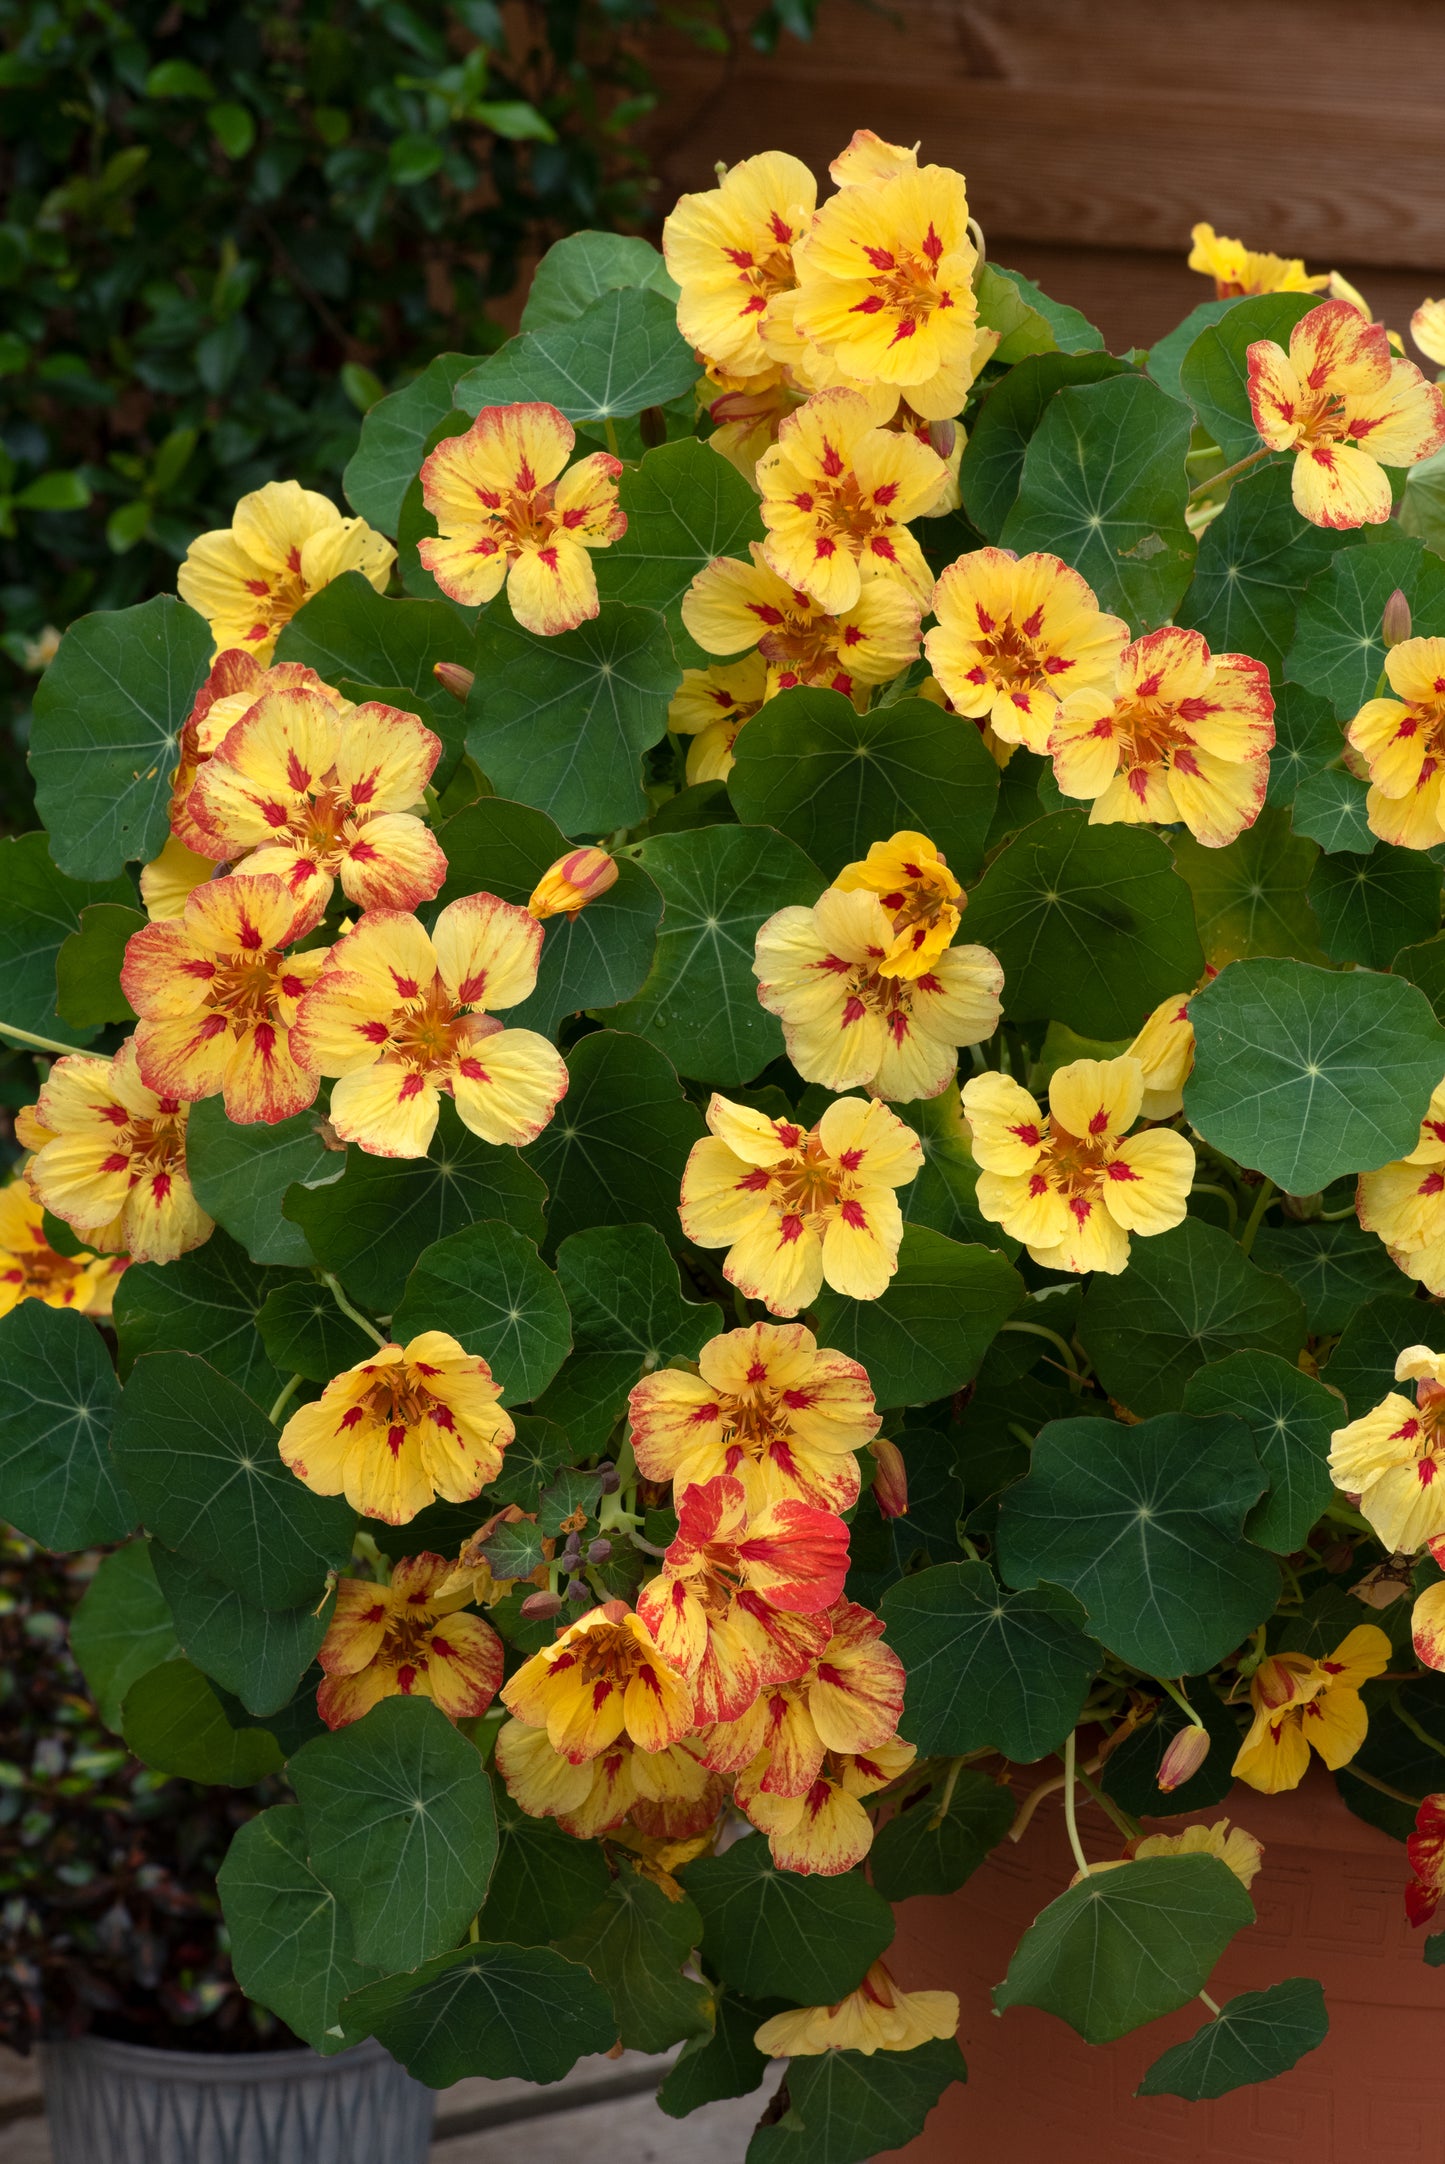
{"type": "Point", "coordinates": [1394, 1458]}
{"type": "Point", "coordinates": [1238, 270]}
{"type": "Point", "coordinates": [217, 995]}
{"type": "Point", "coordinates": [1404, 1202]}
{"type": "Point", "coordinates": [567, 886]}
{"type": "Point", "coordinates": [912, 880]}
{"type": "Point", "coordinates": [847, 1701]}
{"type": "Point", "coordinates": [667, 1794]}
{"type": "Point", "coordinates": [730, 251]}
{"type": "Point", "coordinates": [506, 511]}
{"type": "Point", "coordinates": [1402, 740]}
{"type": "Point", "coordinates": [407, 1639]}
{"type": "Point", "coordinates": [299, 790]}
{"type": "Point", "coordinates": [838, 491]}
{"type": "Point", "coordinates": [237, 680]}
{"type": "Point", "coordinates": [878, 2016]}
{"type": "Point", "coordinates": [1073, 1183]}
{"type": "Point", "coordinates": [1347, 408]}
{"type": "Point", "coordinates": [732, 606]}
{"type": "Point", "coordinates": [284, 543]}
{"type": "Point", "coordinates": [403, 1017]}
{"type": "Point", "coordinates": [711, 706]}
{"type": "Point", "coordinates": [796, 1207]}
{"type": "Point", "coordinates": [110, 1158]}
{"type": "Point", "coordinates": [1300, 1703]}
{"type": "Point", "coordinates": [30, 1269]}
{"type": "Point", "coordinates": [741, 1597]}
{"type": "Point", "coordinates": [1181, 734]}
{"type": "Point", "coordinates": [1427, 328]}
{"type": "Point", "coordinates": [825, 1830]}
{"type": "Point", "coordinates": [849, 1020]}
{"type": "Point", "coordinates": [1014, 635]}
{"type": "Point", "coordinates": [769, 1409]}
{"type": "Point", "coordinates": [885, 286]}
{"type": "Point", "coordinates": [396, 1431]}
{"type": "Point", "coordinates": [604, 1678]}
{"type": "Point", "coordinates": [1164, 1049]}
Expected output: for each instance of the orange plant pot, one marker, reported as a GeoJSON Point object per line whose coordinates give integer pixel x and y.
{"type": "Point", "coordinates": [1329, 1901]}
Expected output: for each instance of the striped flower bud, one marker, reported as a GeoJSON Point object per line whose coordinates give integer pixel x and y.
{"type": "Point", "coordinates": [454, 678]}
{"type": "Point", "coordinates": [1395, 624]}
{"type": "Point", "coordinates": [574, 880]}
{"type": "Point", "coordinates": [890, 1482]}
{"type": "Point", "coordinates": [1186, 1754]}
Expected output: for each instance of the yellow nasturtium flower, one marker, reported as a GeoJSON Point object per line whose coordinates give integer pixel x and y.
{"type": "Point", "coordinates": [407, 1639]}
{"type": "Point", "coordinates": [838, 491]}
{"type": "Point", "coordinates": [1401, 738]}
{"type": "Point", "coordinates": [1394, 1458]}
{"type": "Point", "coordinates": [878, 2016]}
{"type": "Point", "coordinates": [730, 250]}
{"type": "Point", "coordinates": [30, 1268]}
{"type": "Point", "coordinates": [711, 706]}
{"type": "Point", "coordinates": [1015, 635]}
{"type": "Point", "coordinates": [1164, 1049]}
{"type": "Point", "coordinates": [1300, 1703]}
{"type": "Point", "coordinates": [1072, 1183]}
{"type": "Point", "coordinates": [1427, 328]}
{"type": "Point", "coordinates": [1404, 1202]}
{"type": "Point", "coordinates": [603, 1679]}
{"type": "Point", "coordinates": [284, 543]}
{"type": "Point", "coordinates": [1237, 270]}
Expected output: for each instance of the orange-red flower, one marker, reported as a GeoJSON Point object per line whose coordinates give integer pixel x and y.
{"type": "Point", "coordinates": [741, 1597]}
{"type": "Point", "coordinates": [407, 1639]}
{"type": "Point", "coordinates": [605, 1677]}
{"type": "Point", "coordinates": [299, 790]}
{"type": "Point", "coordinates": [1425, 1848]}
{"type": "Point", "coordinates": [217, 995]}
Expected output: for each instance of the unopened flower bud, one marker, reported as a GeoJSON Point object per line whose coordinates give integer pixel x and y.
{"type": "Point", "coordinates": [942, 435]}
{"type": "Point", "coordinates": [608, 1478]}
{"type": "Point", "coordinates": [890, 1482]}
{"type": "Point", "coordinates": [1186, 1754]}
{"type": "Point", "coordinates": [1395, 624]}
{"type": "Point", "coordinates": [454, 678]}
{"type": "Point", "coordinates": [572, 882]}
{"type": "Point", "coordinates": [539, 1605]}
{"type": "Point", "coordinates": [580, 1591]}
{"type": "Point", "coordinates": [600, 1551]}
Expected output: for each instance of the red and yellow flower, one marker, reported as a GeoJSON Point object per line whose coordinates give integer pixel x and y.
{"type": "Point", "coordinates": [667, 1794]}
{"type": "Point", "coordinates": [506, 512]}
{"type": "Point", "coordinates": [1180, 734]}
{"type": "Point", "coordinates": [566, 887]}
{"type": "Point", "coordinates": [847, 1701]}
{"type": "Point", "coordinates": [826, 1830]}
{"type": "Point", "coordinates": [1404, 1202]}
{"type": "Point", "coordinates": [1238, 270]}
{"type": "Point", "coordinates": [284, 543]}
{"type": "Point", "coordinates": [407, 1639]}
{"type": "Point", "coordinates": [712, 706]}
{"type": "Point", "coordinates": [1073, 1183]}
{"type": "Point", "coordinates": [398, 1430]}
{"type": "Point", "coordinates": [742, 1595]}
{"type": "Point", "coordinates": [767, 1408]}
{"type": "Point", "coordinates": [912, 880]}
{"type": "Point", "coordinates": [838, 491]}
{"type": "Point", "coordinates": [849, 1019]}
{"type": "Point", "coordinates": [403, 1017]}
{"type": "Point", "coordinates": [800, 1207]}
{"type": "Point", "coordinates": [297, 789]}
{"type": "Point", "coordinates": [1402, 741]}
{"type": "Point", "coordinates": [1301, 1703]}
{"type": "Point", "coordinates": [1347, 408]}
{"type": "Point", "coordinates": [1425, 1848]}
{"type": "Point", "coordinates": [878, 2016]}
{"type": "Point", "coordinates": [217, 995]}
{"type": "Point", "coordinates": [1164, 1049]}
{"type": "Point", "coordinates": [30, 1269]}
{"type": "Point", "coordinates": [732, 606]}
{"type": "Point", "coordinates": [237, 680]}
{"type": "Point", "coordinates": [1427, 328]}
{"type": "Point", "coordinates": [730, 251]}
{"type": "Point", "coordinates": [605, 1677]}
{"type": "Point", "coordinates": [110, 1158]}
{"type": "Point", "coordinates": [1394, 1458]}
{"type": "Point", "coordinates": [1015, 635]}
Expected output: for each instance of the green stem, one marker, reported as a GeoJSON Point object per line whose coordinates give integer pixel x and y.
{"type": "Point", "coordinates": [1334, 1217]}
{"type": "Point", "coordinates": [1396, 1794]}
{"type": "Point", "coordinates": [1129, 1827]}
{"type": "Point", "coordinates": [1206, 1187]}
{"type": "Point", "coordinates": [1180, 1700]}
{"type": "Point", "coordinates": [1037, 1329]}
{"type": "Point", "coordinates": [28, 1038]}
{"type": "Point", "coordinates": [274, 1416]}
{"type": "Point", "coordinates": [948, 1788]}
{"type": "Point", "coordinates": [1212, 2004]}
{"type": "Point", "coordinates": [611, 434]}
{"type": "Point", "coordinates": [1071, 1821]}
{"type": "Point", "coordinates": [329, 1281]}
{"type": "Point", "coordinates": [1229, 473]}
{"type": "Point", "coordinates": [1421, 1735]}
{"type": "Point", "coordinates": [1255, 1218]}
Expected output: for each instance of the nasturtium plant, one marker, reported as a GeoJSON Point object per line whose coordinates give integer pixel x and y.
{"type": "Point", "coordinates": [751, 1141]}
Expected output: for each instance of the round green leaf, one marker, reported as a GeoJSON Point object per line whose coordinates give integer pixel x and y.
{"type": "Point", "coordinates": [1144, 1525]}
{"type": "Point", "coordinates": [1166, 355]}
{"type": "Point", "coordinates": [305, 1333]}
{"type": "Point", "coordinates": [1291, 1418]}
{"type": "Point", "coordinates": [1425, 965]}
{"type": "Point", "coordinates": [1305, 1074]}
{"type": "Point", "coordinates": [206, 1302]}
{"type": "Point", "coordinates": [709, 2068]}
{"type": "Point", "coordinates": [1255, 560]}
{"type": "Point", "coordinates": [88, 966]}
{"type": "Point", "coordinates": [400, 1826]}
{"type": "Point", "coordinates": [1253, 2038]}
{"type": "Point", "coordinates": [987, 1668]}
{"type": "Point", "coordinates": [918, 1852]}
{"type": "Point", "coordinates": [577, 271]}
{"type": "Point", "coordinates": [785, 1934]}
{"type": "Point", "coordinates": [993, 458]}
{"type": "Point", "coordinates": [845, 2107]}
{"type": "Point", "coordinates": [352, 635]}
{"type": "Point", "coordinates": [615, 1149]}
{"type": "Point", "coordinates": [629, 1316]}
{"type": "Point", "coordinates": [1104, 485]}
{"type": "Point", "coordinates": [173, 1721]}
{"type": "Point", "coordinates": [240, 1175]}
{"type": "Point", "coordinates": [1332, 808]}
{"type": "Point", "coordinates": [700, 1002]}
{"type": "Point", "coordinates": [1368, 905]}
{"type": "Point", "coordinates": [200, 1458]}
{"type": "Point", "coordinates": [59, 1483]}
{"type": "Point", "coordinates": [546, 1882]}
{"type": "Point", "coordinates": [257, 1654]}
{"type": "Point", "coordinates": [487, 1287]}
{"type": "Point", "coordinates": [290, 1940]}
{"type": "Point", "coordinates": [108, 717]}
{"type": "Point", "coordinates": [1252, 898]}
{"type": "Point", "coordinates": [1214, 373]}
{"type": "Point", "coordinates": [620, 355]}
{"type": "Point", "coordinates": [562, 722]}
{"type": "Point", "coordinates": [684, 506]}
{"type": "Point", "coordinates": [1339, 646]}
{"type": "Point", "coordinates": [1122, 1949]}
{"type": "Point", "coordinates": [40, 916]}
{"type": "Point", "coordinates": [1362, 1365]}
{"type": "Point", "coordinates": [927, 1334]}
{"type": "Point", "coordinates": [1307, 738]}
{"type": "Point", "coordinates": [943, 1193]}
{"type": "Point", "coordinates": [1091, 924]}
{"type": "Point", "coordinates": [1187, 1297]}
{"type": "Point", "coordinates": [1332, 1268]}
{"type": "Point", "coordinates": [635, 1943]}
{"type": "Point", "coordinates": [518, 2013]}
{"type": "Point", "coordinates": [837, 781]}
{"type": "Point", "coordinates": [394, 435]}
{"type": "Point", "coordinates": [122, 1627]}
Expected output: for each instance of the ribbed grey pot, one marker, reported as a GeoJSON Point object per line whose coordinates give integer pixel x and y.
{"type": "Point", "coordinates": [130, 2104]}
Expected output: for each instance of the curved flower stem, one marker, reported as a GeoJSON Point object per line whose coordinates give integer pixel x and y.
{"type": "Point", "coordinates": [1396, 1794]}
{"type": "Point", "coordinates": [1179, 1699]}
{"type": "Point", "coordinates": [1071, 1821]}
{"type": "Point", "coordinates": [1421, 1735]}
{"type": "Point", "coordinates": [610, 431]}
{"type": "Point", "coordinates": [1255, 1218]}
{"type": "Point", "coordinates": [937, 1818]}
{"type": "Point", "coordinates": [1037, 1329]}
{"type": "Point", "coordinates": [1335, 1217]}
{"type": "Point", "coordinates": [1127, 1825]}
{"type": "Point", "coordinates": [28, 1038]}
{"type": "Point", "coordinates": [1229, 473]}
{"type": "Point", "coordinates": [329, 1281]}
{"type": "Point", "coordinates": [274, 1416]}
{"type": "Point", "coordinates": [1205, 1187]}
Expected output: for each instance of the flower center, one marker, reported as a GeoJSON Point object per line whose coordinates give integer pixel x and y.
{"type": "Point", "coordinates": [40, 1271]}
{"type": "Point", "coordinates": [610, 1653]}
{"type": "Point", "coordinates": [1321, 418]}
{"type": "Point", "coordinates": [245, 988]}
{"type": "Point", "coordinates": [399, 1400]}
{"type": "Point", "coordinates": [157, 1143]}
{"type": "Point", "coordinates": [1013, 660]}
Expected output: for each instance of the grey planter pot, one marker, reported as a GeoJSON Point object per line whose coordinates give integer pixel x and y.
{"type": "Point", "coordinates": [131, 2104]}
